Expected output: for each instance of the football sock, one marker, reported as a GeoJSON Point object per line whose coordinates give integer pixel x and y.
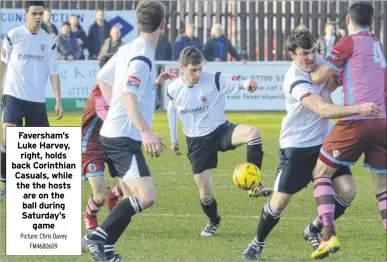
{"type": "Point", "coordinates": [116, 192]}
{"type": "Point", "coordinates": [340, 207]}
{"type": "Point", "coordinates": [92, 208]}
{"type": "Point", "coordinates": [98, 234]}
{"type": "Point", "coordinates": [210, 208]}
{"type": "Point", "coordinates": [3, 164]}
{"type": "Point", "coordinates": [258, 243]}
{"type": "Point", "coordinates": [382, 199]}
{"type": "Point", "coordinates": [269, 218]}
{"type": "Point", "coordinates": [120, 217]}
{"type": "Point", "coordinates": [254, 152]}
{"type": "Point", "coordinates": [109, 250]}
{"type": "Point", "coordinates": [325, 201]}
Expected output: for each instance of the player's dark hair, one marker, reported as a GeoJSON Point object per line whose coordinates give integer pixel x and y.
{"type": "Point", "coordinates": [361, 13]}
{"type": "Point", "coordinates": [190, 56]}
{"type": "Point", "coordinates": [150, 14]}
{"type": "Point", "coordinates": [28, 4]}
{"type": "Point", "coordinates": [66, 23]}
{"type": "Point", "coordinates": [302, 38]}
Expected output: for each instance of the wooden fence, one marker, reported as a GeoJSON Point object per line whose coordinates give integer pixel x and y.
{"type": "Point", "coordinates": [258, 28]}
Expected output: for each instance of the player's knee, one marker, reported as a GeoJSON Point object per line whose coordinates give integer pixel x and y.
{"type": "Point", "coordinates": [347, 191]}
{"type": "Point", "coordinates": [252, 133]}
{"type": "Point", "coordinates": [279, 204]}
{"type": "Point", "coordinates": [100, 196]}
{"type": "Point", "coordinates": [147, 201]}
{"type": "Point", "coordinates": [280, 201]}
{"type": "Point", "coordinates": [205, 196]}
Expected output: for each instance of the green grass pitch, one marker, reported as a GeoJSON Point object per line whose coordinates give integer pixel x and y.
{"type": "Point", "coordinates": [170, 231]}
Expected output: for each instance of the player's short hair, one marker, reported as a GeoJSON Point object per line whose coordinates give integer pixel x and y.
{"type": "Point", "coordinates": [361, 13]}
{"type": "Point", "coordinates": [302, 38]}
{"type": "Point", "coordinates": [150, 14]}
{"type": "Point", "coordinates": [190, 55]}
{"type": "Point", "coordinates": [28, 4]}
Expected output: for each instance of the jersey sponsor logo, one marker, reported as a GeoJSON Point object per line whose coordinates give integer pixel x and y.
{"type": "Point", "coordinates": [91, 167]}
{"type": "Point", "coordinates": [3, 52]}
{"type": "Point", "coordinates": [204, 99]}
{"type": "Point", "coordinates": [134, 82]}
{"type": "Point", "coordinates": [29, 57]}
{"type": "Point", "coordinates": [195, 111]}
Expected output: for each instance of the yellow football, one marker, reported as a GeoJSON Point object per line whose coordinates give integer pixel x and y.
{"type": "Point", "coordinates": [246, 176]}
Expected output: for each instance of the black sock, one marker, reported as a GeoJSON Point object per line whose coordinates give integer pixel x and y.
{"type": "Point", "coordinates": [269, 218]}
{"type": "Point", "coordinates": [120, 217]}
{"type": "Point", "coordinates": [340, 207]}
{"type": "Point", "coordinates": [3, 164]}
{"type": "Point", "coordinates": [254, 152]}
{"type": "Point", "coordinates": [109, 250]}
{"type": "Point", "coordinates": [211, 210]}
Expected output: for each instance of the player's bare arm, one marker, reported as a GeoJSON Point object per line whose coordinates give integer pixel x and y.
{"type": "Point", "coordinates": [329, 88]}
{"type": "Point", "coordinates": [164, 76]}
{"type": "Point", "coordinates": [327, 110]}
{"type": "Point", "coordinates": [106, 90]}
{"type": "Point", "coordinates": [55, 82]}
{"type": "Point", "coordinates": [152, 144]}
{"type": "Point", "coordinates": [321, 74]}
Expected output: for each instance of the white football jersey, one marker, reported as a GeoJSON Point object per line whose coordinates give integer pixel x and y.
{"type": "Point", "coordinates": [133, 73]}
{"type": "Point", "coordinates": [301, 127]}
{"type": "Point", "coordinates": [107, 72]}
{"type": "Point", "coordinates": [30, 59]}
{"type": "Point", "coordinates": [201, 108]}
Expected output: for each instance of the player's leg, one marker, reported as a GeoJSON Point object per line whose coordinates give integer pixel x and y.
{"type": "Point", "coordinates": [343, 146]}
{"type": "Point", "coordinates": [294, 173]}
{"type": "Point", "coordinates": [345, 191]}
{"type": "Point", "coordinates": [376, 161]}
{"type": "Point", "coordinates": [116, 192]}
{"type": "Point", "coordinates": [208, 202]}
{"type": "Point", "coordinates": [137, 185]}
{"type": "Point", "coordinates": [93, 171]}
{"type": "Point", "coordinates": [203, 156]}
{"type": "Point", "coordinates": [11, 116]}
{"type": "Point", "coordinates": [236, 135]}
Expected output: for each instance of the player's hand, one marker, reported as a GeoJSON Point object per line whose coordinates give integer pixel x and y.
{"type": "Point", "coordinates": [152, 144]}
{"type": "Point", "coordinates": [369, 110]}
{"type": "Point", "coordinates": [59, 111]}
{"type": "Point", "coordinates": [164, 76]}
{"type": "Point", "coordinates": [250, 85]}
{"type": "Point", "coordinates": [175, 148]}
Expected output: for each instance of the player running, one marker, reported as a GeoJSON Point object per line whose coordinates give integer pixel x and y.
{"type": "Point", "coordinates": [362, 66]}
{"type": "Point", "coordinates": [28, 57]}
{"type": "Point", "coordinates": [93, 155]}
{"type": "Point", "coordinates": [199, 99]}
{"type": "Point", "coordinates": [303, 131]}
{"type": "Point", "coordinates": [127, 125]}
